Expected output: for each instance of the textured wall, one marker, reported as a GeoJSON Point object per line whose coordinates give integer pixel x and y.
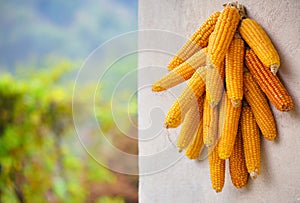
{"type": "Point", "coordinates": [166, 176]}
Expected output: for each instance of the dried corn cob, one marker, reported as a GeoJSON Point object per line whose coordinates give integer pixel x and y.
{"type": "Point", "coordinates": [234, 68]}
{"type": "Point", "coordinates": [190, 124]}
{"type": "Point", "coordinates": [181, 73]}
{"type": "Point", "coordinates": [269, 83]}
{"type": "Point", "coordinates": [189, 96]}
{"type": "Point", "coordinates": [251, 140]}
{"type": "Point", "coordinates": [195, 147]}
{"type": "Point", "coordinates": [259, 41]}
{"type": "Point", "coordinates": [229, 128]}
{"type": "Point", "coordinates": [222, 35]}
{"type": "Point", "coordinates": [237, 164]}
{"type": "Point", "coordinates": [217, 169]}
{"type": "Point", "coordinates": [215, 84]}
{"type": "Point", "coordinates": [197, 41]}
{"type": "Point", "coordinates": [218, 45]}
{"type": "Point", "coordinates": [260, 107]}
{"type": "Point", "coordinates": [210, 122]}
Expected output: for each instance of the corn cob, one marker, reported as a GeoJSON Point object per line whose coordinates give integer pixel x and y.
{"type": "Point", "coordinates": [197, 41]}
{"type": "Point", "coordinates": [181, 73]}
{"type": "Point", "coordinates": [210, 122]}
{"type": "Point", "coordinates": [259, 41]}
{"type": "Point", "coordinates": [234, 68]}
{"type": "Point", "coordinates": [260, 107]}
{"type": "Point", "coordinates": [228, 127]}
{"type": "Point", "coordinates": [217, 169]}
{"type": "Point", "coordinates": [190, 124]}
{"type": "Point", "coordinates": [237, 164]}
{"type": "Point", "coordinates": [215, 84]}
{"type": "Point", "coordinates": [189, 96]}
{"type": "Point", "coordinates": [218, 45]}
{"type": "Point", "coordinates": [222, 35]}
{"type": "Point", "coordinates": [251, 140]}
{"type": "Point", "coordinates": [196, 145]}
{"type": "Point", "coordinates": [269, 83]}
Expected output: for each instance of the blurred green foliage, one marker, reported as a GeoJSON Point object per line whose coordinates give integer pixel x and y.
{"type": "Point", "coordinates": [38, 161]}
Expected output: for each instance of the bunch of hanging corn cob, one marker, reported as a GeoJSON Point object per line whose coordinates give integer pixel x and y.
{"type": "Point", "coordinates": [224, 106]}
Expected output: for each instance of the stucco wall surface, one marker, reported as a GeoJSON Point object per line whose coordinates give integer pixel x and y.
{"type": "Point", "coordinates": [167, 176]}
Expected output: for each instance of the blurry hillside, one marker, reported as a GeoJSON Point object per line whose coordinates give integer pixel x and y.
{"type": "Point", "coordinates": [33, 30]}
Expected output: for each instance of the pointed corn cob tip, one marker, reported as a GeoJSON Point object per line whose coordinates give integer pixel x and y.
{"type": "Point", "coordinates": [274, 68]}
{"type": "Point", "coordinates": [193, 156]}
{"type": "Point", "coordinates": [223, 155]}
{"type": "Point", "coordinates": [236, 102]}
{"type": "Point", "coordinates": [270, 137]}
{"type": "Point", "coordinates": [172, 122]}
{"type": "Point", "coordinates": [180, 150]}
{"type": "Point", "coordinates": [288, 107]}
{"type": "Point", "coordinates": [156, 87]}
{"type": "Point", "coordinates": [238, 186]}
{"type": "Point", "coordinates": [218, 190]}
{"type": "Point", "coordinates": [166, 125]}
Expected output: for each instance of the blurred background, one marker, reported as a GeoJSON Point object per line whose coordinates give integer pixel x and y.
{"type": "Point", "coordinates": [43, 44]}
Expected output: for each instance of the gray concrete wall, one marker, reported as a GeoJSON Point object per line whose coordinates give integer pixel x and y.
{"type": "Point", "coordinates": [167, 176]}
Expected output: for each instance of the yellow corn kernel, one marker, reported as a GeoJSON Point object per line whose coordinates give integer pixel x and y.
{"type": "Point", "coordinates": [181, 73]}
{"type": "Point", "coordinates": [269, 83]}
{"type": "Point", "coordinates": [234, 68]}
{"type": "Point", "coordinates": [260, 107]}
{"type": "Point", "coordinates": [190, 124]}
{"type": "Point", "coordinates": [217, 169]}
{"type": "Point", "coordinates": [197, 41]}
{"type": "Point", "coordinates": [259, 41]}
{"type": "Point", "coordinates": [228, 127]}
{"type": "Point", "coordinates": [210, 122]}
{"type": "Point", "coordinates": [218, 45]}
{"type": "Point", "coordinates": [237, 163]}
{"type": "Point", "coordinates": [251, 141]}
{"type": "Point", "coordinates": [194, 89]}
{"type": "Point", "coordinates": [195, 147]}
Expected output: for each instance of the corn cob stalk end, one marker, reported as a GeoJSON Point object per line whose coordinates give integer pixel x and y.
{"type": "Point", "coordinates": [236, 102]}
{"type": "Point", "coordinates": [254, 174]}
{"type": "Point", "coordinates": [274, 68]}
